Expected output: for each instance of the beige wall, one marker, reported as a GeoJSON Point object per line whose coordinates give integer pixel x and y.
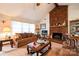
{"type": "Point", "coordinates": [44, 20]}
{"type": "Point", "coordinates": [73, 14]}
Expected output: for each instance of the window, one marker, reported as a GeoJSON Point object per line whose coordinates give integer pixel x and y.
{"type": "Point", "coordinates": [31, 28]}
{"type": "Point", "coordinates": [20, 27]}
{"type": "Point", "coordinates": [25, 27]}
{"type": "Point", "coordinates": [16, 27]}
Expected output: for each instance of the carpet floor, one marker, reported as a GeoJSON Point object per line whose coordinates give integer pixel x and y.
{"type": "Point", "coordinates": [56, 50]}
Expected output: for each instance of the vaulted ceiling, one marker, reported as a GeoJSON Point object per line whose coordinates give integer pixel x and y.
{"type": "Point", "coordinates": [27, 12]}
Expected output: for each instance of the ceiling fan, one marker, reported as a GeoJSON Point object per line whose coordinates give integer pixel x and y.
{"type": "Point", "coordinates": [37, 4]}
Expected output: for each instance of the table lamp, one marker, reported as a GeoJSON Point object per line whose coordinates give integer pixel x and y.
{"type": "Point", "coordinates": [7, 31]}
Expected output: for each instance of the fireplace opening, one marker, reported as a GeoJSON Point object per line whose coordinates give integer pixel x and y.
{"type": "Point", "coordinates": [58, 36]}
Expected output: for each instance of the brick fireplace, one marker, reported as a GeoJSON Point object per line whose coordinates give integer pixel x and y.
{"type": "Point", "coordinates": [59, 20]}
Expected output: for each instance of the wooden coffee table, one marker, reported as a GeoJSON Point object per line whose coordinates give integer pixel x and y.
{"type": "Point", "coordinates": [39, 49]}
{"type": "Point", "coordinates": [2, 41]}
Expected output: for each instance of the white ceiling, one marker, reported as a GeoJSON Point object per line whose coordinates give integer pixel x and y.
{"type": "Point", "coordinates": [27, 12]}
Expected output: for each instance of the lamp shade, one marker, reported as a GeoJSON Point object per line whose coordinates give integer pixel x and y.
{"type": "Point", "coordinates": [6, 29]}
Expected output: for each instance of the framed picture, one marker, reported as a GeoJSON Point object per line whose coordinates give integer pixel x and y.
{"type": "Point", "coordinates": [77, 29]}
{"type": "Point", "coordinates": [43, 26]}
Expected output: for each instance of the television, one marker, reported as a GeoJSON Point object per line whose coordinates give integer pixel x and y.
{"type": "Point", "coordinates": [44, 32]}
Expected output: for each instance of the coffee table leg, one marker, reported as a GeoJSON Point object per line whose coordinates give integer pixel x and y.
{"type": "Point", "coordinates": [37, 53]}
{"type": "Point", "coordinates": [50, 45]}
{"type": "Point", "coordinates": [0, 46]}
{"type": "Point", "coordinates": [11, 43]}
{"type": "Point", "coordinates": [28, 49]}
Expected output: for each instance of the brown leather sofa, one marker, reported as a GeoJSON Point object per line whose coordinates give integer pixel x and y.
{"type": "Point", "coordinates": [23, 39]}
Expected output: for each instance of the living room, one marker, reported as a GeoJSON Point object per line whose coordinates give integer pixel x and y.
{"type": "Point", "coordinates": [50, 29]}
